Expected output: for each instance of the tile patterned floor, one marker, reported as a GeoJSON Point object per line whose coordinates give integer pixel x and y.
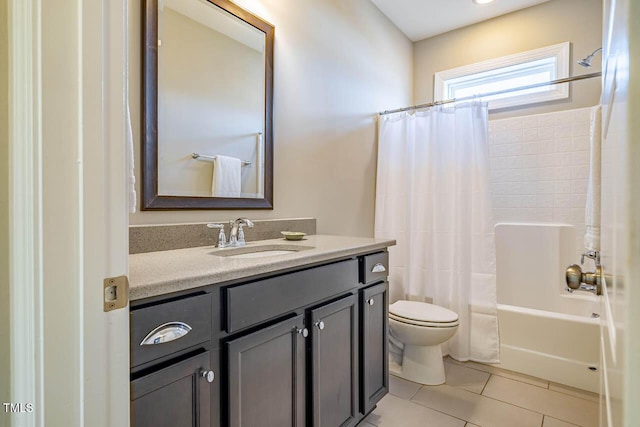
{"type": "Point", "coordinates": [477, 395]}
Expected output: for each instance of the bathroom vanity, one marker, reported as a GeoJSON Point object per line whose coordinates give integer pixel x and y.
{"type": "Point", "coordinates": [240, 338]}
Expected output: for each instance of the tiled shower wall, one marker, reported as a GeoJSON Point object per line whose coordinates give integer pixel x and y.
{"type": "Point", "coordinates": [539, 168]}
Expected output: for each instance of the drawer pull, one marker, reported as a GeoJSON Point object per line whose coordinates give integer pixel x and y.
{"type": "Point", "coordinates": [304, 332]}
{"type": "Point", "coordinates": [378, 268]}
{"type": "Point", "coordinates": [370, 301]}
{"type": "Point", "coordinates": [319, 324]}
{"type": "Point", "coordinates": [167, 332]}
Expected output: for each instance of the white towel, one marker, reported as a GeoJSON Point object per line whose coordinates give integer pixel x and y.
{"type": "Point", "coordinates": [592, 211]}
{"type": "Point", "coordinates": [227, 177]}
{"type": "Point", "coordinates": [132, 175]}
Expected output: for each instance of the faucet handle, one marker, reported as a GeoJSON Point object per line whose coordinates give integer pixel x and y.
{"type": "Point", "coordinates": [222, 238]}
{"type": "Point", "coordinates": [241, 241]}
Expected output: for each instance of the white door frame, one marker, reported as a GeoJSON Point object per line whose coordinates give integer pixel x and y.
{"type": "Point", "coordinates": [68, 211]}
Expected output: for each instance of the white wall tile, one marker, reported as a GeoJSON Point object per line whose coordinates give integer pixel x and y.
{"type": "Point", "coordinates": [545, 160]}
{"type": "Point", "coordinates": [530, 122]}
{"type": "Point", "coordinates": [562, 131]}
{"type": "Point", "coordinates": [582, 115]}
{"type": "Point", "coordinates": [546, 173]}
{"type": "Point", "coordinates": [580, 172]}
{"type": "Point", "coordinates": [499, 163]}
{"type": "Point", "coordinates": [545, 187]}
{"type": "Point", "coordinates": [546, 147]}
{"type": "Point", "coordinates": [562, 201]}
{"type": "Point", "coordinates": [579, 201]}
{"type": "Point", "coordinates": [563, 159]}
{"type": "Point", "coordinates": [498, 150]}
{"type": "Point", "coordinates": [529, 175]}
{"type": "Point", "coordinates": [562, 117]}
{"type": "Point", "coordinates": [580, 157]}
{"type": "Point", "coordinates": [514, 149]}
{"type": "Point", "coordinates": [580, 129]}
{"type": "Point", "coordinates": [562, 173]}
{"type": "Point", "coordinates": [545, 201]}
{"type": "Point", "coordinates": [515, 136]}
{"type": "Point", "coordinates": [514, 162]}
{"type": "Point", "coordinates": [539, 168]}
{"type": "Point", "coordinates": [563, 145]}
{"type": "Point", "coordinates": [562, 187]}
{"type": "Point", "coordinates": [545, 120]}
{"type": "Point", "coordinates": [530, 134]}
{"type": "Point", "coordinates": [546, 133]}
{"type": "Point", "coordinates": [514, 124]}
{"type": "Point", "coordinates": [579, 186]}
{"type": "Point", "coordinates": [530, 161]}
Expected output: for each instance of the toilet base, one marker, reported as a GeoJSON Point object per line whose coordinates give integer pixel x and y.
{"type": "Point", "coordinates": [421, 364]}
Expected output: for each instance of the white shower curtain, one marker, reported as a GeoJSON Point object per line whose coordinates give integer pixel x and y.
{"type": "Point", "coordinates": [433, 197]}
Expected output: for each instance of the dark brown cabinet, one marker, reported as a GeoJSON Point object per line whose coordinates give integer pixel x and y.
{"type": "Point", "coordinates": [176, 396]}
{"type": "Point", "coordinates": [266, 377]}
{"type": "Point", "coordinates": [374, 363]}
{"type": "Point", "coordinates": [302, 348]}
{"type": "Point", "coordinates": [334, 350]}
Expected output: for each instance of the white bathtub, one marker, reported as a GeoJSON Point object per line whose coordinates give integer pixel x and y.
{"type": "Point", "coordinates": [544, 331]}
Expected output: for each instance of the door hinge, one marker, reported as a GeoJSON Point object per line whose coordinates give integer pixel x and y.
{"type": "Point", "coordinates": [116, 293]}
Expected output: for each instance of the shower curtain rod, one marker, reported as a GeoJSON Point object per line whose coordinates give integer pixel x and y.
{"type": "Point", "coordinates": [498, 92]}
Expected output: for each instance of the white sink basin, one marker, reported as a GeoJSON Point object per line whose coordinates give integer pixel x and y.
{"type": "Point", "coordinates": [262, 254]}
{"type": "Point", "coordinates": [259, 251]}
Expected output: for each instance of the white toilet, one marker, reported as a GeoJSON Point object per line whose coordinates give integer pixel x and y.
{"type": "Point", "coordinates": [421, 327]}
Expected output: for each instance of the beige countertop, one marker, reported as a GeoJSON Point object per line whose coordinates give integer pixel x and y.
{"type": "Point", "coordinates": [158, 273]}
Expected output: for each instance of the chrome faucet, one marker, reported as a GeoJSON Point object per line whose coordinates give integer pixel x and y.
{"type": "Point", "coordinates": [236, 235]}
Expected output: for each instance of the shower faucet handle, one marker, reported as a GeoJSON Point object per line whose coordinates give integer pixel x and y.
{"type": "Point", "coordinates": [594, 255]}
{"type": "Point", "coordinates": [578, 280]}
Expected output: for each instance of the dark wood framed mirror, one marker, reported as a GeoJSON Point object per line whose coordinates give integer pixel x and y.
{"type": "Point", "coordinates": [207, 108]}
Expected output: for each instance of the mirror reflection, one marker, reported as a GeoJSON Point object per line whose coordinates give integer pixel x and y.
{"type": "Point", "coordinates": [211, 102]}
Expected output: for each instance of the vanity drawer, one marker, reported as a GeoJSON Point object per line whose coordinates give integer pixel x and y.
{"type": "Point", "coordinates": [256, 302]}
{"type": "Point", "coordinates": [169, 327]}
{"type": "Point", "coordinates": [374, 267]}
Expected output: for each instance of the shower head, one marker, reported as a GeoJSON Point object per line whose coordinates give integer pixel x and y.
{"type": "Point", "coordinates": [586, 62]}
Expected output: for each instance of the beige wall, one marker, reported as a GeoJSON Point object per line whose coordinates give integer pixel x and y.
{"type": "Point", "coordinates": [4, 214]}
{"type": "Point", "coordinates": [336, 64]}
{"type": "Point", "coordinates": [576, 21]}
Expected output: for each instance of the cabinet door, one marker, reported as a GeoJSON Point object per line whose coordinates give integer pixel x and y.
{"type": "Point", "coordinates": [176, 396]}
{"type": "Point", "coordinates": [267, 376]}
{"type": "Point", "coordinates": [374, 364]}
{"type": "Point", "coordinates": [334, 329]}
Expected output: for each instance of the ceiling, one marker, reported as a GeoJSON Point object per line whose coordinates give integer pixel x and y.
{"type": "Point", "coordinates": [419, 19]}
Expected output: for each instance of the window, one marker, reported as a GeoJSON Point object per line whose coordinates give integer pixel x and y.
{"type": "Point", "coordinates": [522, 69]}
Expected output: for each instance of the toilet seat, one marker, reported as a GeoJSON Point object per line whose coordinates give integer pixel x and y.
{"type": "Point", "coordinates": [423, 314]}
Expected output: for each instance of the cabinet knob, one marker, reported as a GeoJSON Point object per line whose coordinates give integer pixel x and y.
{"type": "Point", "coordinates": [370, 301]}
{"type": "Point", "coordinates": [319, 324]}
{"type": "Point", "coordinates": [304, 332]}
{"type": "Point", "coordinates": [208, 375]}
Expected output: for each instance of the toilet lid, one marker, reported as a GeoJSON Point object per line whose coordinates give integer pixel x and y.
{"type": "Point", "coordinates": [422, 312]}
